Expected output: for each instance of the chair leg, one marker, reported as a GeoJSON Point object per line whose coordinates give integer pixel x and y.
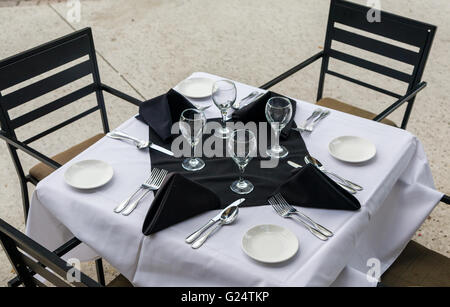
{"type": "Point", "coordinates": [446, 199]}
{"type": "Point", "coordinates": [25, 198]}
{"type": "Point", "coordinates": [100, 272]}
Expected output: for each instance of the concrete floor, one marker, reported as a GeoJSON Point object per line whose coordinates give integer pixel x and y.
{"type": "Point", "coordinates": [147, 46]}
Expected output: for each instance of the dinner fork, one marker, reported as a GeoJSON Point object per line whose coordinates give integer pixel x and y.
{"type": "Point", "coordinates": [286, 214]}
{"type": "Point", "coordinates": [292, 210]}
{"type": "Point", "coordinates": [124, 203]}
{"type": "Point", "coordinates": [154, 185]}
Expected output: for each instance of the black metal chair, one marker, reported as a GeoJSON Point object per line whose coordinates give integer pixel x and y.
{"type": "Point", "coordinates": [34, 62]}
{"type": "Point", "coordinates": [393, 27]}
{"type": "Point", "coordinates": [29, 258]}
{"type": "Point", "coordinates": [400, 29]}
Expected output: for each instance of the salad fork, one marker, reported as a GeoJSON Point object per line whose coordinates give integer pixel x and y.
{"type": "Point", "coordinates": [284, 204]}
{"type": "Point", "coordinates": [124, 203]}
{"type": "Point", "coordinates": [154, 185]}
{"type": "Point", "coordinates": [283, 212]}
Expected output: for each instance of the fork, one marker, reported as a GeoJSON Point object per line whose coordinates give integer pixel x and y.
{"type": "Point", "coordinates": [286, 214]}
{"type": "Point", "coordinates": [314, 114]}
{"type": "Point", "coordinates": [154, 185]}
{"type": "Point", "coordinates": [124, 203]}
{"type": "Point", "coordinates": [292, 210]}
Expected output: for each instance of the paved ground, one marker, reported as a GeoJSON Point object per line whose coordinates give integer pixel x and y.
{"type": "Point", "coordinates": [146, 46]}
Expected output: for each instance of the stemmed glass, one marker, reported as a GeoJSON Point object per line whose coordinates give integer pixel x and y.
{"type": "Point", "coordinates": [242, 148]}
{"type": "Point", "coordinates": [192, 122]}
{"type": "Point", "coordinates": [278, 114]}
{"type": "Point", "coordinates": [224, 96]}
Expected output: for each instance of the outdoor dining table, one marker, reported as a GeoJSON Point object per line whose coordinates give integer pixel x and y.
{"type": "Point", "coordinates": [398, 196]}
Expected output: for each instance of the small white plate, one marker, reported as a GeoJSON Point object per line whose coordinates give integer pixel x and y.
{"type": "Point", "coordinates": [352, 149]}
{"type": "Point", "coordinates": [88, 174]}
{"type": "Point", "coordinates": [270, 243]}
{"type": "Point", "coordinates": [196, 87]}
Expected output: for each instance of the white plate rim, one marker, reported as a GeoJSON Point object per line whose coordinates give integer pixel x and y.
{"type": "Point", "coordinates": [348, 160]}
{"type": "Point", "coordinates": [177, 87]}
{"type": "Point", "coordinates": [91, 187]}
{"type": "Point", "coordinates": [266, 261]}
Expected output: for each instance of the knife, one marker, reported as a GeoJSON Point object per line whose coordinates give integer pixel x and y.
{"type": "Point", "coordinates": [293, 164]}
{"type": "Point", "coordinates": [119, 135]}
{"type": "Point", "coordinates": [350, 190]}
{"type": "Point", "coordinates": [211, 222]}
{"type": "Point", "coordinates": [160, 149]}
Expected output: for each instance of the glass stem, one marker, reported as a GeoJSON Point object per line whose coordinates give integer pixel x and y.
{"type": "Point", "coordinates": [192, 151]}
{"type": "Point", "coordinates": [276, 144]}
{"type": "Point", "coordinates": [224, 119]}
{"type": "Point", "coordinates": [241, 173]}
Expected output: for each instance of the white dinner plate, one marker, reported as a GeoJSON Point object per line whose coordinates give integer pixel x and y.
{"type": "Point", "coordinates": [196, 87]}
{"type": "Point", "coordinates": [270, 243]}
{"type": "Point", "coordinates": [352, 149]}
{"type": "Point", "coordinates": [88, 174]}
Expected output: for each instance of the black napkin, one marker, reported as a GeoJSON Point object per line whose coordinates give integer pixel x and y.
{"type": "Point", "coordinates": [256, 112]}
{"type": "Point", "coordinates": [177, 200]}
{"type": "Point", "coordinates": [309, 187]}
{"type": "Point", "coordinates": [161, 112]}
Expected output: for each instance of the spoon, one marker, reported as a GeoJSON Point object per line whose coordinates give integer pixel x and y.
{"type": "Point", "coordinates": [351, 185]}
{"type": "Point", "coordinates": [227, 217]}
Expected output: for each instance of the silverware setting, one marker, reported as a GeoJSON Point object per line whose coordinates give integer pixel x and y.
{"type": "Point", "coordinates": [202, 108]}
{"type": "Point", "coordinates": [140, 144]}
{"type": "Point", "coordinates": [347, 183]}
{"type": "Point", "coordinates": [253, 96]}
{"type": "Point", "coordinates": [283, 209]}
{"type": "Point", "coordinates": [153, 183]}
{"type": "Point", "coordinates": [343, 185]}
{"type": "Point", "coordinates": [225, 217]}
{"type": "Point", "coordinates": [312, 121]}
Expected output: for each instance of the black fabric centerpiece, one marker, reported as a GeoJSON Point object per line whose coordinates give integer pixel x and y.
{"type": "Point", "coordinates": [185, 194]}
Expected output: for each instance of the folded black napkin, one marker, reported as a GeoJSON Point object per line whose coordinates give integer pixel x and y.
{"type": "Point", "coordinates": [161, 112]}
{"type": "Point", "coordinates": [309, 187]}
{"type": "Point", "coordinates": [177, 200]}
{"type": "Point", "coordinates": [256, 112]}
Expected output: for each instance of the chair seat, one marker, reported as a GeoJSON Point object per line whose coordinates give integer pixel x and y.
{"type": "Point", "coordinates": [343, 107]}
{"type": "Point", "coordinates": [41, 170]}
{"type": "Point", "coordinates": [120, 282]}
{"type": "Point", "coordinates": [418, 266]}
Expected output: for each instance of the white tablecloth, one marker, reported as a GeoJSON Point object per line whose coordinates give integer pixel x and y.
{"type": "Point", "coordinates": [399, 194]}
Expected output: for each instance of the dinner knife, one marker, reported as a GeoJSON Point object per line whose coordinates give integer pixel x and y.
{"type": "Point", "coordinates": [139, 143]}
{"type": "Point", "coordinates": [160, 149]}
{"type": "Point", "coordinates": [349, 189]}
{"type": "Point", "coordinates": [212, 221]}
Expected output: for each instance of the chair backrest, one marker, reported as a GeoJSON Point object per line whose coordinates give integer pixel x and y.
{"type": "Point", "coordinates": [47, 57]}
{"type": "Point", "coordinates": [391, 27]}
{"type": "Point", "coordinates": [29, 258]}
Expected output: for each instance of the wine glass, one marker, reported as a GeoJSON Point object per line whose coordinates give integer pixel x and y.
{"type": "Point", "coordinates": [192, 122]}
{"type": "Point", "coordinates": [242, 148]}
{"type": "Point", "coordinates": [224, 96]}
{"type": "Point", "coordinates": [278, 114]}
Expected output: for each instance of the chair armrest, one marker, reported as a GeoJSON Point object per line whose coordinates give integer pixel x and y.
{"type": "Point", "coordinates": [120, 94]}
{"type": "Point", "coordinates": [400, 102]}
{"type": "Point", "coordinates": [27, 149]}
{"type": "Point", "coordinates": [292, 70]}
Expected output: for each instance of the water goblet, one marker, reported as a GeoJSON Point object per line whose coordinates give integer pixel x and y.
{"type": "Point", "coordinates": [224, 95]}
{"type": "Point", "coordinates": [242, 147]}
{"type": "Point", "coordinates": [278, 114]}
{"type": "Point", "coordinates": [192, 122]}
